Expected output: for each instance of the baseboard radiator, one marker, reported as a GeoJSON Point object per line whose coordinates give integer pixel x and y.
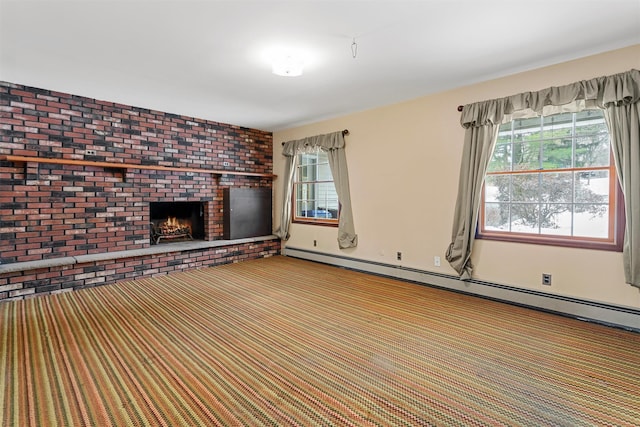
{"type": "Point", "coordinates": [608, 314]}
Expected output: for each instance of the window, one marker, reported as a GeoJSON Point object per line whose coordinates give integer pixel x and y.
{"type": "Point", "coordinates": [316, 200]}
{"type": "Point", "coordinates": [552, 180]}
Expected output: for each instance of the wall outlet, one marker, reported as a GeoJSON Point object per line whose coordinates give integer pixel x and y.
{"type": "Point", "coordinates": [90, 152]}
{"type": "Point", "coordinates": [546, 279]}
{"type": "Point", "coordinates": [225, 163]}
{"type": "Point", "coordinates": [399, 256]}
{"type": "Point", "coordinates": [436, 261]}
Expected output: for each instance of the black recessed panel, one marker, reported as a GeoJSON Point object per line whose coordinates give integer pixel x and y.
{"type": "Point", "coordinates": [247, 212]}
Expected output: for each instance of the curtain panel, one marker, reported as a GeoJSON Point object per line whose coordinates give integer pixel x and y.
{"type": "Point", "coordinates": [618, 95]}
{"type": "Point", "coordinates": [333, 144]}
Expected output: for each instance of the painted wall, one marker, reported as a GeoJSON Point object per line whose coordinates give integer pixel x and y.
{"type": "Point", "coordinates": [404, 162]}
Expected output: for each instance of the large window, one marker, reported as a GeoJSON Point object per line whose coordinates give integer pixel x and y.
{"type": "Point", "coordinates": [552, 180]}
{"type": "Point", "coordinates": [315, 195]}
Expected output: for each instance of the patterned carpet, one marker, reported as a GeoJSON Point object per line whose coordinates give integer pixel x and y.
{"type": "Point", "coordinates": [284, 342]}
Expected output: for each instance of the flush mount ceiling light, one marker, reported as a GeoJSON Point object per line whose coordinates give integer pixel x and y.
{"type": "Point", "coordinates": [287, 64]}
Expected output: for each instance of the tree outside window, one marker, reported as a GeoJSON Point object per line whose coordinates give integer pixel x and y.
{"type": "Point", "coordinates": [552, 180]}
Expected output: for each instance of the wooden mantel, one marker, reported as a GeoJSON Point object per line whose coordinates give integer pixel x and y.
{"type": "Point", "coordinates": [126, 166]}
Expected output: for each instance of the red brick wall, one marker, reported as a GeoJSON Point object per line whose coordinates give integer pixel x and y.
{"type": "Point", "coordinates": [49, 210]}
{"type": "Point", "coordinates": [52, 280]}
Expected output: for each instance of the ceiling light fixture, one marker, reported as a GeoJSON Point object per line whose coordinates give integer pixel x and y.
{"type": "Point", "coordinates": [287, 65]}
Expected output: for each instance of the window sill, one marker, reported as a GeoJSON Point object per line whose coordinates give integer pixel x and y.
{"type": "Point", "coordinates": [322, 223]}
{"type": "Point", "coordinates": [581, 243]}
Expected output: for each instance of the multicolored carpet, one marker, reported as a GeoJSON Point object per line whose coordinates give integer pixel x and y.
{"type": "Point", "coordinates": [286, 342]}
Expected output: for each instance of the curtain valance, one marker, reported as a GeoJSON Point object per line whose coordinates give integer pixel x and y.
{"type": "Point", "coordinates": [600, 92]}
{"type": "Point", "coordinates": [329, 141]}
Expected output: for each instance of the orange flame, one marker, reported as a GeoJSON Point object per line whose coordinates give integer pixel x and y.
{"type": "Point", "coordinates": [173, 226]}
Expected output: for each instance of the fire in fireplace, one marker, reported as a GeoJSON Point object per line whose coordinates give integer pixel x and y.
{"type": "Point", "coordinates": [172, 228]}
{"type": "Point", "coordinates": [171, 221]}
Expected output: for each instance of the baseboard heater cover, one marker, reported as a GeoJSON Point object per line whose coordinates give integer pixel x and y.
{"type": "Point", "coordinates": [607, 314]}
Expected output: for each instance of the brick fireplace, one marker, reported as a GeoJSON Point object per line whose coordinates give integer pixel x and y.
{"type": "Point", "coordinates": [82, 180]}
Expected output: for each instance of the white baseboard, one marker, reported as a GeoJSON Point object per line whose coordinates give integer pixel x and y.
{"type": "Point", "coordinates": [608, 314]}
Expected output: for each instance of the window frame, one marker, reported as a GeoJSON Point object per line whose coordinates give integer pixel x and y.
{"type": "Point", "coordinates": [614, 242]}
{"type": "Point", "coordinates": [327, 222]}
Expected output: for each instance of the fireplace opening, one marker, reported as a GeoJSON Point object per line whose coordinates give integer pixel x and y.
{"type": "Point", "coordinates": [174, 221]}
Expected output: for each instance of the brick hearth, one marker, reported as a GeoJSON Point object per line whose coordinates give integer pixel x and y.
{"type": "Point", "coordinates": [70, 226]}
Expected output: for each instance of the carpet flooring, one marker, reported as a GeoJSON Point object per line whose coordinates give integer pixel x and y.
{"type": "Point", "coordinates": [286, 342]}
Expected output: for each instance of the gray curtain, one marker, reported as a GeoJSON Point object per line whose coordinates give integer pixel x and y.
{"type": "Point", "coordinates": [618, 95]}
{"type": "Point", "coordinates": [333, 144]}
{"type": "Point", "coordinates": [285, 215]}
{"type": "Point", "coordinates": [478, 146]}
{"type": "Point", "coordinates": [623, 117]}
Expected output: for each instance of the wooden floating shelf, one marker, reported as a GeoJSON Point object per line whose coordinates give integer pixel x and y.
{"type": "Point", "coordinates": [124, 166]}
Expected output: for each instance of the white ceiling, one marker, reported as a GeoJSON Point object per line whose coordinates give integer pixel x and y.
{"type": "Point", "coordinates": [206, 58]}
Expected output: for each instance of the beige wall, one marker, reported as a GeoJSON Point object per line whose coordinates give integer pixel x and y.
{"type": "Point", "coordinates": [404, 162]}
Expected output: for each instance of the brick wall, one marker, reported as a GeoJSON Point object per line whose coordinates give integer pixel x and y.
{"type": "Point", "coordinates": [49, 211]}
{"type": "Point", "coordinates": [56, 279]}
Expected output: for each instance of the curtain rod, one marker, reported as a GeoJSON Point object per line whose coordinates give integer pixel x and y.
{"type": "Point", "coordinates": [344, 133]}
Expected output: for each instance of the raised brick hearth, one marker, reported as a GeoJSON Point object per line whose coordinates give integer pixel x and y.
{"type": "Point", "coordinates": [80, 214]}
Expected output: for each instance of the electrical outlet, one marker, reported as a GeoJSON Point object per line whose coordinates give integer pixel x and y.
{"type": "Point", "coordinates": [399, 256]}
{"type": "Point", "coordinates": [90, 152]}
{"type": "Point", "coordinates": [225, 163]}
{"type": "Point", "coordinates": [546, 279]}
{"type": "Point", "coordinates": [436, 261]}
